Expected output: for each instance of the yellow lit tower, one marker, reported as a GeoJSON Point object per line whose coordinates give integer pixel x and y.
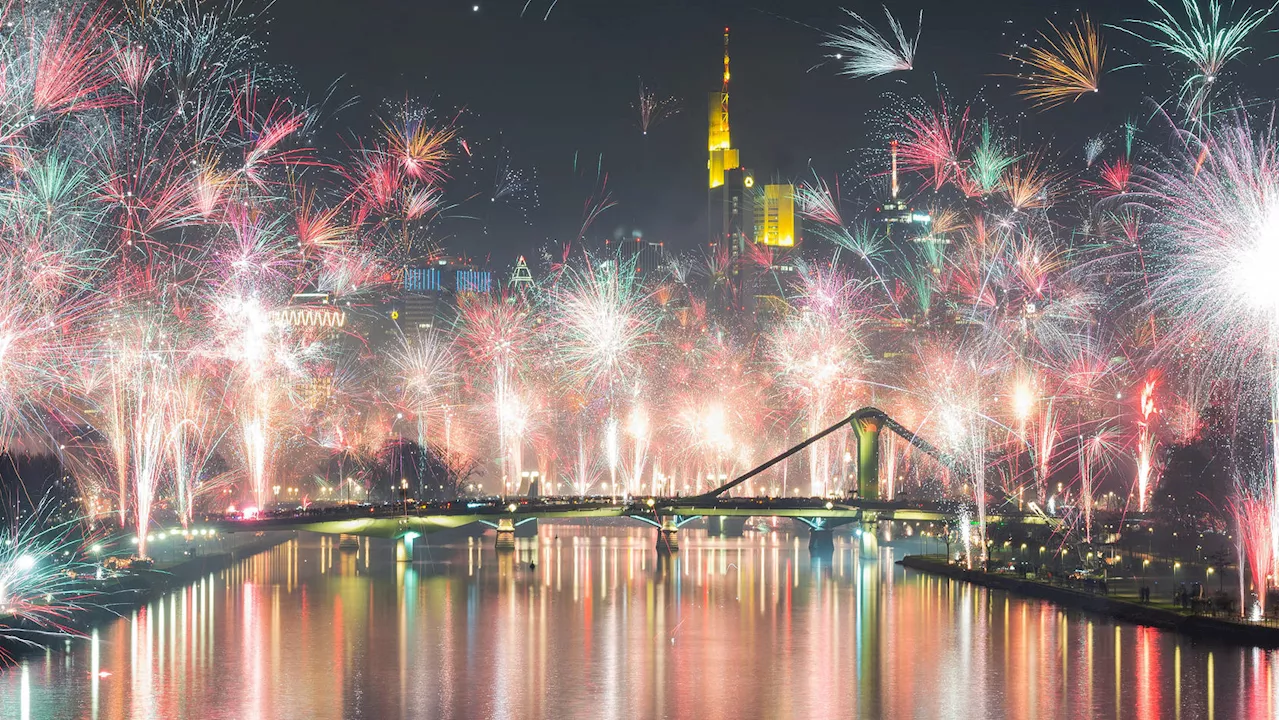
{"type": "Point", "coordinates": [723, 156]}
{"type": "Point", "coordinates": [730, 213]}
{"type": "Point", "coordinates": [739, 212]}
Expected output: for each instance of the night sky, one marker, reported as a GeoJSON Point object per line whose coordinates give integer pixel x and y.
{"type": "Point", "coordinates": [546, 91]}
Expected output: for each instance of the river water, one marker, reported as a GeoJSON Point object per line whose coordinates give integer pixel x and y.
{"type": "Point", "coordinates": [603, 627]}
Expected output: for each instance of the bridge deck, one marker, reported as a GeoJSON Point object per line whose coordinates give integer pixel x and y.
{"type": "Point", "coordinates": [394, 521]}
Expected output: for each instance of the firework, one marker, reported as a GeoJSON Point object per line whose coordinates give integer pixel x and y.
{"type": "Point", "coordinates": [1146, 443]}
{"type": "Point", "coordinates": [934, 143]}
{"type": "Point", "coordinates": [605, 319]}
{"type": "Point", "coordinates": [195, 301]}
{"type": "Point", "coordinates": [1027, 185]}
{"type": "Point", "coordinates": [1217, 232]}
{"type": "Point", "coordinates": [1254, 514]}
{"type": "Point", "coordinates": [1069, 67]}
{"type": "Point", "coordinates": [989, 162]}
{"type": "Point", "coordinates": [1204, 39]}
{"type": "Point", "coordinates": [1093, 148]}
{"type": "Point", "coordinates": [819, 349]}
{"type": "Point", "coordinates": [654, 109]}
{"type": "Point", "coordinates": [41, 561]}
{"type": "Point", "coordinates": [864, 53]}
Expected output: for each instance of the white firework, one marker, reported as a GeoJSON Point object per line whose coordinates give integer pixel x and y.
{"type": "Point", "coordinates": [865, 53]}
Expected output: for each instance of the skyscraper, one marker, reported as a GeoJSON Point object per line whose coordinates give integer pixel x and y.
{"type": "Point", "coordinates": [726, 206]}
{"type": "Point", "coordinates": [739, 212]}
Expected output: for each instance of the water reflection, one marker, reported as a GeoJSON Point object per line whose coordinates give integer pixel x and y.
{"type": "Point", "coordinates": [592, 622]}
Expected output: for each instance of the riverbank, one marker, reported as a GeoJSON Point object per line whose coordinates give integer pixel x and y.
{"type": "Point", "coordinates": [1153, 615]}
{"type": "Point", "coordinates": [113, 598]}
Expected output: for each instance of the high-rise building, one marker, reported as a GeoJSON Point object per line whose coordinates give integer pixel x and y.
{"type": "Point", "coordinates": [903, 224]}
{"type": "Point", "coordinates": [775, 223]}
{"type": "Point", "coordinates": [740, 213]}
{"type": "Point", "coordinates": [726, 206]}
{"type": "Point", "coordinates": [426, 297]}
{"type": "Point", "coordinates": [641, 255]}
{"type": "Point", "coordinates": [719, 144]}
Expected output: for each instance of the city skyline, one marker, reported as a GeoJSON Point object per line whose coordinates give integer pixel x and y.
{"type": "Point", "coordinates": [561, 114]}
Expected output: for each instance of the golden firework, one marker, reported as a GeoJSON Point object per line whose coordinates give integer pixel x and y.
{"type": "Point", "coordinates": [1068, 68]}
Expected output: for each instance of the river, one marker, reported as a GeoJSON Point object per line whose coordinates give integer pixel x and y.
{"type": "Point", "coordinates": [604, 627]}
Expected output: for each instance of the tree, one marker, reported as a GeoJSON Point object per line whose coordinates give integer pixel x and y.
{"type": "Point", "coordinates": [1193, 488]}
{"type": "Point", "coordinates": [431, 473]}
{"type": "Point", "coordinates": [1200, 474]}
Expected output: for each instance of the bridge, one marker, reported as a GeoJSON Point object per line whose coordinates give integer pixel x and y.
{"type": "Point", "coordinates": [405, 521]}
{"type": "Point", "coordinates": [408, 521]}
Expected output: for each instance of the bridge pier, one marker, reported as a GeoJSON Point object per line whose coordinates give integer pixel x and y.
{"type": "Point", "coordinates": [821, 541]}
{"type": "Point", "coordinates": [404, 547]}
{"type": "Point", "coordinates": [726, 525]}
{"type": "Point", "coordinates": [506, 534]}
{"type": "Point", "coordinates": [668, 538]}
{"type": "Point", "coordinates": [868, 540]}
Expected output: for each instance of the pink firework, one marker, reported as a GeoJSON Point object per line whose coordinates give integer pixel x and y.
{"type": "Point", "coordinates": [1255, 517]}
{"type": "Point", "coordinates": [71, 70]}
{"type": "Point", "coordinates": [1146, 442]}
{"type": "Point", "coordinates": [933, 143]}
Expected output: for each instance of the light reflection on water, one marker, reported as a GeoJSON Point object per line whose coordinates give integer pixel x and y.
{"type": "Point", "coordinates": [604, 627]}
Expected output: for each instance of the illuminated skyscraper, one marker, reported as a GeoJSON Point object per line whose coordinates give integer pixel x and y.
{"type": "Point", "coordinates": [427, 296]}
{"type": "Point", "coordinates": [726, 206]}
{"type": "Point", "coordinates": [722, 154]}
{"type": "Point", "coordinates": [775, 223]}
{"type": "Point", "coordinates": [903, 224]}
{"type": "Point", "coordinates": [740, 212]}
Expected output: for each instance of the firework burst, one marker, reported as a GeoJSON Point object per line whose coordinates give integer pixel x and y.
{"type": "Point", "coordinates": [1069, 67]}
{"type": "Point", "coordinates": [864, 53]}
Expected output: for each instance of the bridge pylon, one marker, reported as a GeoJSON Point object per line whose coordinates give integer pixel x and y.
{"type": "Point", "coordinates": [866, 425]}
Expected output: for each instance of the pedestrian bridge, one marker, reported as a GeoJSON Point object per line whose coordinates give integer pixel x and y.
{"type": "Point", "coordinates": [667, 514]}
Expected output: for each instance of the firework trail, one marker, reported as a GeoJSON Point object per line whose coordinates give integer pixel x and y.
{"type": "Point", "coordinates": [1045, 440]}
{"type": "Point", "coordinates": [1146, 443]}
{"type": "Point", "coordinates": [818, 349]}
{"type": "Point", "coordinates": [988, 164]}
{"type": "Point", "coordinates": [865, 53]}
{"type": "Point", "coordinates": [604, 320]}
{"type": "Point", "coordinates": [426, 365]}
{"type": "Point", "coordinates": [494, 337]}
{"type": "Point", "coordinates": [550, 7]}
{"type": "Point", "coordinates": [654, 109]}
{"type": "Point", "coordinates": [1027, 185]}
{"type": "Point", "coordinates": [594, 206]}
{"type": "Point", "coordinates": [1254, 514]}
{"type": "Point", "coordinates": [1069, 67]}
